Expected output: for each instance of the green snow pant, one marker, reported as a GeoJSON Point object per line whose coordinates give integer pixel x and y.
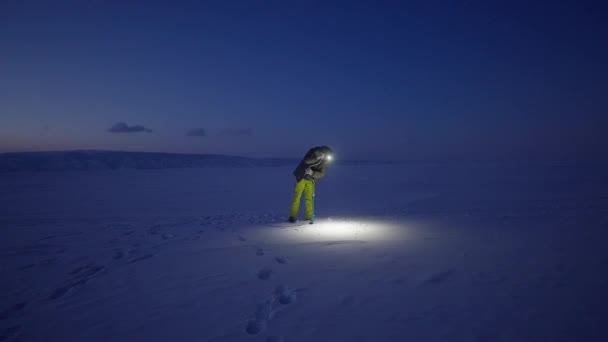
{"type": "Point", "coordinates": [308, 187]}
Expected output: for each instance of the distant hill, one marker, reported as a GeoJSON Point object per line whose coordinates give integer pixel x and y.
{"type": "Point", "coordinates": [112, 160]}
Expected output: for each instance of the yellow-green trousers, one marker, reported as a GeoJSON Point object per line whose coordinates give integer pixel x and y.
{"type": "Point", "coordinates": [308, 187]}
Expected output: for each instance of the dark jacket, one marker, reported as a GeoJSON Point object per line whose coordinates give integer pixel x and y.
{"type": "Point", "coordinates": [313, 161]}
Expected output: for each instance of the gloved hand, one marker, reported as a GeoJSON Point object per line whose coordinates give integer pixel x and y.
{"type": "Point", "coordinates": [309, 172]}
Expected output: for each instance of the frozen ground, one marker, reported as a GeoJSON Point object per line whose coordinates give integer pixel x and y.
{"type": "Point", "coordinates": [485, 252]}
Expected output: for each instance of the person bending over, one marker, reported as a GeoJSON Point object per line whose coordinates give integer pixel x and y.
{"type": "Point", "coordinates": [311, 168]}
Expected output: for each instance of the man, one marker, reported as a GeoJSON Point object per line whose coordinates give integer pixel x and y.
{"type": "Point", "coordinates": [311, 168]}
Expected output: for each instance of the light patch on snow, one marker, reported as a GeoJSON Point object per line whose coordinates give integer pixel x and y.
{"type": "Point", "coordinates": [337, 230]}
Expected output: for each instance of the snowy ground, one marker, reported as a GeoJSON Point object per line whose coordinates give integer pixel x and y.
{"type": "Point", "coordinates": [483, 252]}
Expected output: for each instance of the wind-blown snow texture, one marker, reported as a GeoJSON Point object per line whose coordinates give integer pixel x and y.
{"type": "Point", "coordinates": [485, 252]}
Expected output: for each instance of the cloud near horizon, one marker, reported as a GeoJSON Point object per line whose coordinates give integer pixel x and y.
{"type": "Point", "coordinates": [197, 132]}
{"type": "Point", "coordinates": [240, 132]}
{"type": "Point", "coordinates": [122, 127]}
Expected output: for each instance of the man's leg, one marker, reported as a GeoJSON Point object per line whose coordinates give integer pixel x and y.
{"type": "Point", "coordinates": [309, 191]}
{"type": "Point", "coordinates": [295, 202]}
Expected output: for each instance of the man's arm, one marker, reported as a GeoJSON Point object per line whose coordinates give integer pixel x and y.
{"type": "Point", "coordinates": [320, 172]}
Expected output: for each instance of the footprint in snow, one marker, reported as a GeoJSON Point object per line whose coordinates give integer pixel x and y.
{"type": "Point", "coordinates": [47, 262]}
{"type": "Point", "coordinates": [118, 255]}
{"type": "Point", "coordinates": [60, 292]}
{"type": "Point", "coordinates": [439, 277]}
{"type": "Point", "coordinates": [280, 260]}
{"type": "Point", "coordinates": [285, 295]}
{"type": "Point", "coordinates": [140, 258]}
{"type": "Point", "coordinates": [259, 252]}
{"type": "Point", "coordinates": [264, 273]}
{"type": "Point", "coordinates": [262, 315]}
{"type": "Point", "coordinates": [80, 276]}
{"type": "Point", "coordinates": [398, 280]}
{"type": "Point", "coordinates": [167, 236]}
{"type": "Point", "coordinates": [255, 326]}
{"type": "Point", "coordinates": [87, 270]}
{"type": "Point", "coordinates": [68, 288]}
{"type": "Point", "coordinates": [26, 267]}
{"type": "Point", "coordinates": [348, 301]}
{"type": "Point", "coordinates": [12, 333]}
{"type": "Point", "coordinates": [265, 311]}
{"type": "Point", "coordinates": [15, 309]}
{"type": "Point", "coordinates": [159, 229]}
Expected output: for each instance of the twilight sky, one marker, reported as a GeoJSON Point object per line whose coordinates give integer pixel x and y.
{"type": "Point", "coordinates": [398, 80]}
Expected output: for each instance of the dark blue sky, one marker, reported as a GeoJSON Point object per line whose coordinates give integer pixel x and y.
{"type": "Point", "coordinates": [410, 80]}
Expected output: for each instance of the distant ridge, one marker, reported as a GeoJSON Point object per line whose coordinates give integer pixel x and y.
{"type": "Point", "coordinates": [114, 160]}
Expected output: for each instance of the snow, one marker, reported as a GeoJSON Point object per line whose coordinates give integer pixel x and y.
{"type": "Point", "coordinates": [418, 252]}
